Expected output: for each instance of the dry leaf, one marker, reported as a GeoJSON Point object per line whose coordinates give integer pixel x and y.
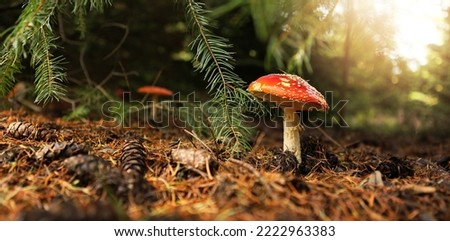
{"type": "Point", "coordinates": [193, 158]}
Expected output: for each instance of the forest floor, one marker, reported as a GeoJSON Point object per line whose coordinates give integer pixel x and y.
{"type": "Point", "coordinates": [51, 169]}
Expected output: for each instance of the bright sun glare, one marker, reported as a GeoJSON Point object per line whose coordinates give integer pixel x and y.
{"type": "Point", "coordinates": [417, 25]}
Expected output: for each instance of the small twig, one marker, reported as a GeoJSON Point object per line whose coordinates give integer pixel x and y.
{"type": "Point", "coordinates": [173, 171]}
{"type": "Point", "coordinates": [168, 187]}
{"type": "Point", "coordinates": [103, 91]}
{"type": "Point", "coordinates": [113, 73]}
{"type": "Point", "coordinates": [252, 170]}
{"type": "Point", "coordinates": [88, 78]}
{"type": "Point", "coordinates": [124, 37]}
{"type": "Point", "coordinates": [353, 144]}
{"type": "Point", "coordinates": [73, 103]}
{"type": "Point", "coordinates": [63, 34]}
{"type": "Point", "coordinates": [18, 94]}
{"type": "Point", "coordinates": [189, 137]}
{"type": "Point", "coordinates": [125, 76]}
{"type": "Point", "coordinates": [29, 104]}
{"type": "Point", "coordinates": [258, 141]}
{"type": "Point", "coordinates": [204, 175]}
{"type": "Point", "coordinates": [328, 136]}
{"type": "Point", "coordinates": [83, 66]}
{"type": "Point", "coordinates": [199, 140]}
{"type": "Point", "coordinates": [247, 166]}
{"type": "Point", "coordinates": [158, 75]}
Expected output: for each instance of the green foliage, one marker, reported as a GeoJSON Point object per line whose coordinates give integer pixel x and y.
{"type": "Point", "coordinates": [437, 72]}
{"type": "Point", "coordinates": [288, 28]}
{"type": "Point", "coordinates": [226, 110]}
{"type": "Point", "coordinates": [79, 11]}
{"type": "Point", "coordinates": [353, 59]}
{"type": "Point", "coordinates": [192, 115]}
{"type": "Point", "coordinates": [293, 35]}
{"type": "Point", "coordinates": [49, 75]}
{"type": "Point", "coordinates": [93, 5]}
{"type": "Point", "coordinates": [33, 36]}
{"type": "Point", "coordinates": [78, 113]}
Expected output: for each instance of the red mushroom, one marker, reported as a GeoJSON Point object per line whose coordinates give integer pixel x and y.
{"type": "Point", "coordinates": [291, 93]}
{"type": "Point", "coordinates": [154, 91]}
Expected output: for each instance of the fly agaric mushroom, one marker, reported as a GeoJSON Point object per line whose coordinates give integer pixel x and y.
{"type": "Point", "coordinates": [291, 93]}
{"type": "Point", "coordinates": [154, 91]}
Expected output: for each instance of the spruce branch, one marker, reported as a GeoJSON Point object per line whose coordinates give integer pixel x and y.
{"type": "Point", "coordinates": [290, 28]}
{"type": "Point", "coordinates": [79, 10]}
{"type": "Point", "coordinates": [13, 47]}
{"type": "Point", "coordinates": [229, 101]}
{"type": "Point", "coordinates": [93, 5]}
{"type": "Point", "coordinates": [33, 36]}
{"type": "Point", "coordinates": [49, 75]}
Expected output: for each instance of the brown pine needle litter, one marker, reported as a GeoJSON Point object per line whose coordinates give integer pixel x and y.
{"type": "Point", "coordinates": [363, 181]}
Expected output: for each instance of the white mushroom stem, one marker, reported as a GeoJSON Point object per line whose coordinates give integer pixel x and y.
{"type": "Point", "coordinates": [291, 132]}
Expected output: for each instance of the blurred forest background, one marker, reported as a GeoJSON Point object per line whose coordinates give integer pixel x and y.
{"type": "Point", "coordinates": [344, 46]}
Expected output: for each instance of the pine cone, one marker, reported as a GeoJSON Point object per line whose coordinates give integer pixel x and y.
{"type": "Point", "coordinates": [113, 183]}
{"type": "Point", "coordinates": [132, 159]}
{"type": "Point", "coordinates": [44, 134]}
{"type": "Point", "coordinates": [59, 150]}
{"type": "Point", "coordinates": [141, 189]}
{"type": "Point", "coordinates": [86, 167]}
{"type": "Point", "coordinates": [20, 130]}
{"type": "Point", "coordinates": [26, 130]}
{"type": "Point", "coordinates": [123, 186]}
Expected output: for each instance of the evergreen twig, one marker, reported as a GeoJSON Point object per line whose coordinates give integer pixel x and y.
{"type": "Point", "coordinates": [229, 101]}
{"type": "Point", "coordinates": [33, 36]}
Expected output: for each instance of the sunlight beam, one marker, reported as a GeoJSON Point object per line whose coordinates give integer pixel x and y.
{"type": "Point", "coordinates": [417, 24]}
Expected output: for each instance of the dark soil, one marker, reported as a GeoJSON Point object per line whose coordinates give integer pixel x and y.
{"type": "Point", "coordinates": [52, 169]}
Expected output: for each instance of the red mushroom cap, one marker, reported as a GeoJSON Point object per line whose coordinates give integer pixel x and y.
{"type": "Point", "coordinates": [154, 90]}
{"type": "Point", "coordinates": [289, 91]}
